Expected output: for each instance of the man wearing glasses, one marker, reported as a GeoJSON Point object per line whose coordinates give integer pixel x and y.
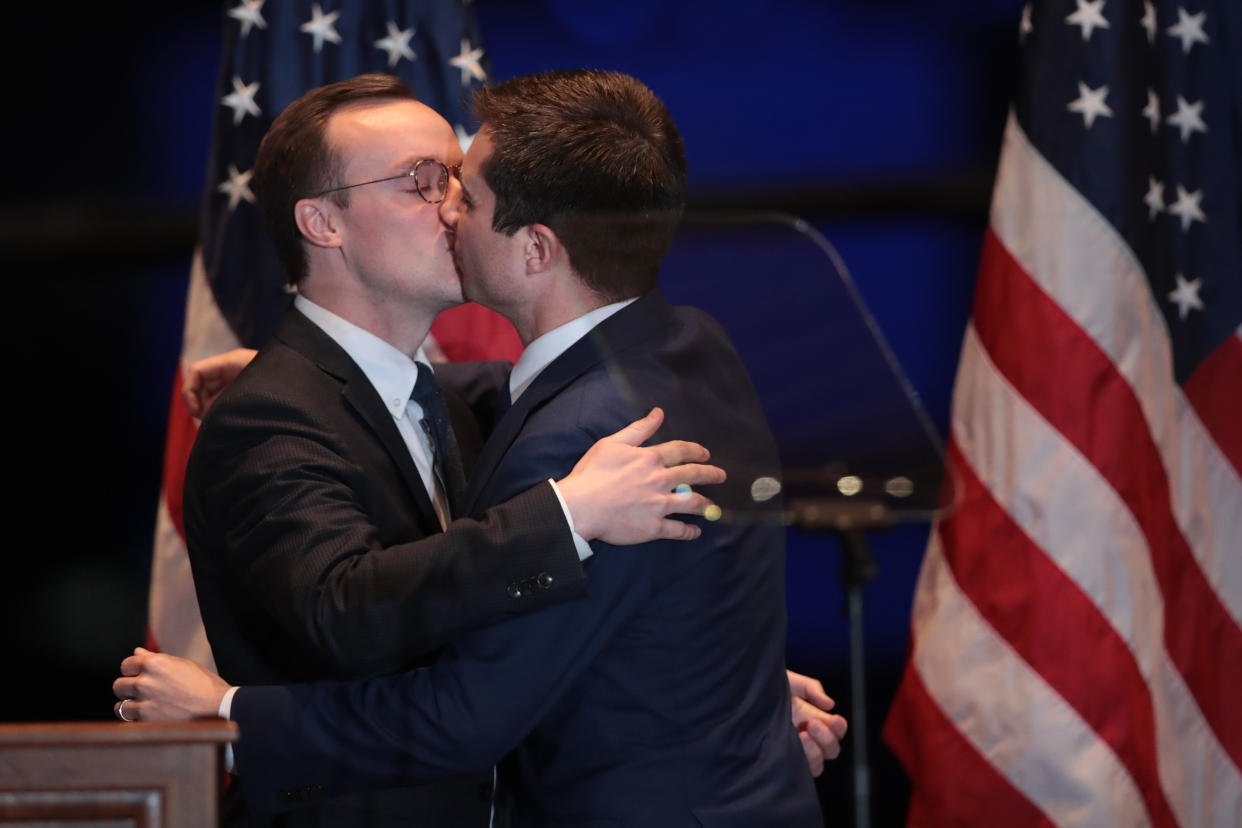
{"type": "Point", "coordinates": [322, 485]}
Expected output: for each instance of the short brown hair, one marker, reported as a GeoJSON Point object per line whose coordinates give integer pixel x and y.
{"type": "Point", "coordinates": [294, 160]}
{"type": "Point", "coordinates": [596, 157]}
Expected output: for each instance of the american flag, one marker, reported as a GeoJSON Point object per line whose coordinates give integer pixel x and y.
{"type": "Point", "coordinates": [1076, 654]}
{"type": "Point", "coordinates": [273, 51]}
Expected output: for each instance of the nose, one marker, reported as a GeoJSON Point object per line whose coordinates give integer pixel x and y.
{"type": "Point", "coordinates": [449, 206]}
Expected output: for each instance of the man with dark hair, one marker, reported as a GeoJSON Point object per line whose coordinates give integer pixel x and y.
{"type": "Point", "coordinates": [661, 697]}
{"type": "Point", "coordinates": [323, 510]}
{"type": "Point", "coordinates": [614, 209]}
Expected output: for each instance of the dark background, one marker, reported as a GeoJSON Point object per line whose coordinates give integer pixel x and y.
{"type": "Point", "coordinates": [877, 121]}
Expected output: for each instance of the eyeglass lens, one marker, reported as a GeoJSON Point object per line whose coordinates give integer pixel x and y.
{"type": "Point", "coordinates": [431, 178]}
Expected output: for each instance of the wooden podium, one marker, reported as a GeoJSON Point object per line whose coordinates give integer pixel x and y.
{"type": "Point", "coordinates": [156, 775]}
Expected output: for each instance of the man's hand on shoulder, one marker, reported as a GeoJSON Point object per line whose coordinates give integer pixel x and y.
{"type": "Point", "coordinates": [206, 378]}
{"type": "Point", "coordinates": [621, 492]}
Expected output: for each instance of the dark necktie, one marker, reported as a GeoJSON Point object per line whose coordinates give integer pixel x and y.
{"type": "Point", "coordinates": [503, 402]}
{"type": "Point", "coordinates": [435, 423]}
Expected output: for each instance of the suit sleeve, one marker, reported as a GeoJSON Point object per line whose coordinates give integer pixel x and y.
{"type": "Point", "coordinates": [459, 716]}
{"type": "Point", "coordinates": [297, 535]}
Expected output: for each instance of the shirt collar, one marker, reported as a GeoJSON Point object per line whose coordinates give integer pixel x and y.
{"type": "Point", "coordinates": [540, 353]}
{"type": "Point", "coordinates": [389, 370]}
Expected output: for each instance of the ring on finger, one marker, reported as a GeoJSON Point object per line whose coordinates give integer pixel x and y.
{"type": "Point", "coordinates": [120, 712]}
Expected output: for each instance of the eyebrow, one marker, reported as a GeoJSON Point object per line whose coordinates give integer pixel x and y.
{"type": "Point", "coordinates": [407, 164]}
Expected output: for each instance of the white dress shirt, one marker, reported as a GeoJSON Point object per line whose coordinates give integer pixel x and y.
{"type": "Point", "coordinates": [392, 373]}
{"type": "Point", "coordinates": [540, 353]}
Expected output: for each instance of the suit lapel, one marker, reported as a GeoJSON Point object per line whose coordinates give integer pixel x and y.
{"type": "Point", "coordinates": [632, 324]}
{"type": "Point", "coordinates": [308, 339]}
{"type": "Point", "coordinates": [502, 437]}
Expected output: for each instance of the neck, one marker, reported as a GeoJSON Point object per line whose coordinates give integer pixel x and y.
{"type": "Point", "coordinates": [559, 307]}
{"type": "Point", "coordinates": [399, 324]}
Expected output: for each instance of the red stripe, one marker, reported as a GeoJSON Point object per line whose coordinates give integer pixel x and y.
{"type": "Point", "coordinates": [1215, 392]}
{"type": "Point", "coordinates": [181, 432]}
{"type": "Point", "coordinates": [1055, 627]}
{"type": "Point", "coordinates": [471, 331]}
{"type": "Point", "coordinates": [1073, 384]}
{"type": "Point", "coordinates": [953, 783]}
{"type": "Point", "coordinates": [180, 437]}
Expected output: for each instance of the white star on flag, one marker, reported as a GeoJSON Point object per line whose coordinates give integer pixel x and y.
{"type": "Point", "coordinates": [1189, 29]}
{"type": "Point", "coordinates": [464, 138]}
{"type": "Point", "coordinates": [1090, 103]}
{"type": "Point", "coordinates": [397, 44]}
{"type": "Point", "coordinates": [1088, 16]}
{"type": "Point", "coordinates": [1186, 296]}
{"type": "Point", "coordinates": [249, 12]}
{"type": "Point", "coordinates": [1187, 118]}
{"type": "Point", "coordinates": [1025, 27]}
{"type": "Point", "coordinates": [237, 187]}
{"type": "Point", "coordinates": [1187, 207]}
{"type": "Point", "coordinates": [1154, 198]}
{"type": "Point", "coordinates": [321, 27]}
{"type": "Point", "coordinates": [1152, 111]}
{"type": "Point", "coordinates": [241, 100]}
{"type": "Point", "coordinates": [1149, 20]}
{"type": "Point", "coordinates": [468, 63]}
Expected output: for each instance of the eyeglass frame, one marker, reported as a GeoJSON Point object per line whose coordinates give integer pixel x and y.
{"type": "Point", "coordinates": [450, 170]}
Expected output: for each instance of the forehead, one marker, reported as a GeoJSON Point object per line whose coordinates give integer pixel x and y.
{"type": "Point", "coordinates": [372, 136]}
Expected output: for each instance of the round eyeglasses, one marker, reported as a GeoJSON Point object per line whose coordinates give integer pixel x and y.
{"type": "Point", "coordinates": [431, 180]}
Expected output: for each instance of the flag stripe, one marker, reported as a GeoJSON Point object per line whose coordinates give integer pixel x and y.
{"type": "Point", "coordinates": [1083, 396]}
{"type": "Point", "coordinates": [1095, 279]}
{"type": "Point", "coordinates": [1099, 502]}
{"type": "Point", "coordinates": [957, 785]}
{"type": "Point", "coordinates": [177, 443]}
{"type": "Point", "coordinates": [1215, 392]}
{"type": "Point", "coordinates": [1012, 589]}
{"type": "Point", "coordinates": [960, 659]}
{"type": "Point", "coordinates": [473, 332]}
{"type": "Point", "coordinates": [206, 331]}
{"type": "Point", "coordinates": [1072, 515]}
{"type": "Point", "coordinates": [173, 621]}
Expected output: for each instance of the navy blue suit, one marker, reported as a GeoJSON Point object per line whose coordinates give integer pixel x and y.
{"type": "Point", "coordinates": [659, 699]}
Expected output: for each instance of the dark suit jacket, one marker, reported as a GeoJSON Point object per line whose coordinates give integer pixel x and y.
{"type": "Point", "coordinates": [661, 699]}
{"type": "Point", "coordinates": [316, 552]}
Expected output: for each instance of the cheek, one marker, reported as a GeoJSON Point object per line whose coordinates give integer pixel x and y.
{"type": "Point", "coordinates": [468, 242]}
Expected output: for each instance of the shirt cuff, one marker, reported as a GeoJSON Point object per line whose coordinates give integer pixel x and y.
{"type": "Point", "coordinates": [584, 548]}
{"type": "Point", "coordinates": [226, 703]}
{"type": "Point", "coordinates": [225, 712]}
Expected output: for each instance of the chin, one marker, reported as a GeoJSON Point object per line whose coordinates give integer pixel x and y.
{"type": "Point", "coordinates": [453, 298]}
{"type": "Point", "coordinates": [468, 294]}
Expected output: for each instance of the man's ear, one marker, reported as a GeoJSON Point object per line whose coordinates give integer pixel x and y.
{"type": "Point", "coordinates": [542, 247]}
{"type": "Point", "coordinates": [316, 222]}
